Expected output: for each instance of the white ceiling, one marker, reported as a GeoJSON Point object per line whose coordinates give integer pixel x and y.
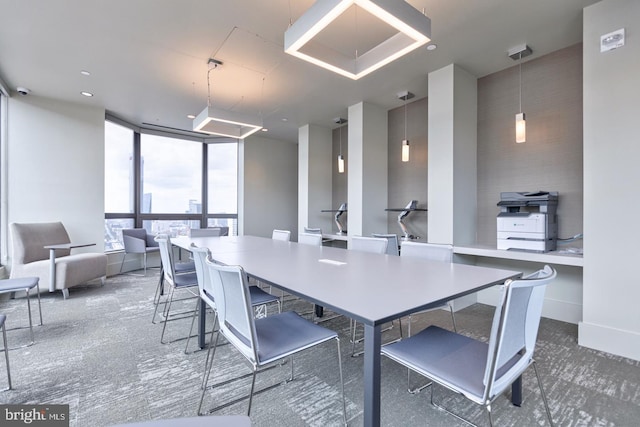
{"type": "Point", "coordinates": [148, 58]}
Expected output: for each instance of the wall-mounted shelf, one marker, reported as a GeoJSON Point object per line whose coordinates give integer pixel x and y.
{"type": "Point", "coordinates": [549, 257]}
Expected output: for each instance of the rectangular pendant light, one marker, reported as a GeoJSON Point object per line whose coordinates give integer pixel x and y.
{"type": "Point", "coordinates": [413, 30]}
{"type": "Point", "coordinates": [521, 128]}
{"type": "Point", "coordinates": [226, 123]}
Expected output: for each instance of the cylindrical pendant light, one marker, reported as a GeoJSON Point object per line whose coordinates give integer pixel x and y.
{"type": "Point", "coordinates": [405, 141]}
{"type": "Point", "coordinates": [521, 124]}
{"type": "Point", "coordinates": [340, 157]}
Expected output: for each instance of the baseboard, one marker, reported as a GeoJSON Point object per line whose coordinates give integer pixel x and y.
{"type": "Point", "coordinates": [611, 340]}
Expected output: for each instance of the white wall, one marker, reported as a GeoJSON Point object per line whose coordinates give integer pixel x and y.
{"type": "Point", "coordinates": [611, 318]}
{"type": "Point", "coordinates": [268, 186]}
{"type": "Point", "coordinates": [55, 167]}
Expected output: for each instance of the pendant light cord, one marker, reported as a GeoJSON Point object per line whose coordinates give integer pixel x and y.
{"type": "Point", "coordinates": [520, 69]}
{"type": "Point", "coordinates": [405, 118]}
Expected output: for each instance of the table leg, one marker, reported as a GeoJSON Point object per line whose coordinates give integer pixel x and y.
{"type": "Point", "coordinates": [52, 270]}
{"type": "Point", "coordinates": [202, 320]}
{"type": "Point", "coordinates": [516, 392]}
{"type": "Point", "coordinates": [372, 375]}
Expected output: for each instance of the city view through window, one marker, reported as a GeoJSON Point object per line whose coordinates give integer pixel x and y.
{"type": "Point", "coordinates": [171, 176]}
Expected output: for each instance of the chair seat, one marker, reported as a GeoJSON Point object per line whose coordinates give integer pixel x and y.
{"type": "Point", "coordinates": [150, 249]}
{"type": "Point", "coordinates": [439, 353]}
{"type": "Point", "coordinates": [259, 296]}
{"type": "Point", "coordinates": [286, 333]}
{"type": "Point", "coordinates": [183, 267]}
{"type": "Point", "coordinates": [186, 279]}
{"type": "Point", "coordinates": [19, 284]}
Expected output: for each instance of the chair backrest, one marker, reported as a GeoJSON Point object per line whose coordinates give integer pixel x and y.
{"type": "Point", "coordinates": [310, 239]}
{"type": "Point", "coordinates": [234, 309]}
{"type": "Point", "coordinates": [313, 230]}
{"type": "Point", "coordinates": [514, 330]}
{"type": "Point", "coordinates": [376, 245]}
{"type": "Point", "coordinates": [202, 273]}
{"type": "Point", "coordinates": [284, 235]}
{"type": "Point", "coordinates": [135, 240]}
{"type": "Point", "coordinates": [392, 245]}
{"type": "Point", "coordinates": [430, 251]}
{"type": "Point", "coordinates": [29, 240]}
{"type": "Point", "coordinates": [166, 257]}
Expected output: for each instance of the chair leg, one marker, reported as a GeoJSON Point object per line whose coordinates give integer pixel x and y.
{"type": "Point", "coordinates": [193, 320]}
{"type": "Point", "coordinates": [453, 318]}
{"type": "Point", "coordinates": [544, 397]}
{"type": "Point", "coordinates": [489, 414]}
{"type": "Point", "coordinates": [442, 408]}
{"type": "Point", "coordinates": [65, 293]}
{"type": "Point", "coordinates": [253, 386]}
{"type": "Point", "coordinates": [33, 339]}
{"type": "Point", "coordinates": [6, 353]}
{"type": "Point", "coordinates": [122, 263]}
{"type": "Point", "coordinates": [39, 305]}
{"type": "Point", "coordinates": [417, 389]}
{"type": "Point", "coordinates": [207, 371]}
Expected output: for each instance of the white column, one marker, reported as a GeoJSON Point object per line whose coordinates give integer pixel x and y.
{"type": "Point", "coordinates": [314, 177]}
{"type": "Point", "coordinates": [452, 189]}
{"type": "Point", "coordinates": [367, 169]}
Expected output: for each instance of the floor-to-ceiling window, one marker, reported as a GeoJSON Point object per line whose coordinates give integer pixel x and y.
{"type": "Point", "coordinates": [167, 184]}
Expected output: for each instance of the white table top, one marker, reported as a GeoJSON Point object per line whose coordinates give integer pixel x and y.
{"type": "Point", "coordinates": [370, 288]}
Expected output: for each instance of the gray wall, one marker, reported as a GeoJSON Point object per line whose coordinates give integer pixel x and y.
{"type": "Point", "coordinates": [551, 159]}
{"type": "Point", "coordinates": [268, 174]}
{"type": "Point", "coordinates": [408, 181]}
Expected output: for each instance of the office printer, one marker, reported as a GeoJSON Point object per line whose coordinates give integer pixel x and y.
{"type": "Point", "coordinates": [528, 221]}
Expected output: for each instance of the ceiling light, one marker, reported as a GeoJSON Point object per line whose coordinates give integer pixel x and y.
{"type": "Point", "coordinates": [340, 121]}
{"type": "Point", "coordinates": [432, 47]}
{"type": "Point", "coordinates": [264, 130]}
{"type": "Point", "coordinates": [89, 94]}
{"type": "Point", "coordinates": [517, 53]}
{"type": "Point", "coordinates": [85, 73]}
{"type": "Point", "coordinates": [191, 116]}
{"type": "Point", "coordinates": [405, 142]}
{"type": "Point", "coordinates": [414, 30]}
{"type": "Point", "coordinates": [224, 123]}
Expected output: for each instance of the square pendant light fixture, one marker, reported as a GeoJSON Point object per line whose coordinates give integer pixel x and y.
{"type": "Point", "coordinates": [226, 123]}
{"type": "Point", "coordinates": [413, 30]}
{"type": "Point", "coordinates": [219, 122]}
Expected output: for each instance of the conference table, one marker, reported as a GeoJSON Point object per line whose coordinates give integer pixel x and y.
{"type": "Point", "coordinates": [372, 289]}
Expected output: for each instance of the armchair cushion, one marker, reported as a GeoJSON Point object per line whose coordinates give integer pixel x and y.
{"type": "Point", "coordinates": [30, 258]}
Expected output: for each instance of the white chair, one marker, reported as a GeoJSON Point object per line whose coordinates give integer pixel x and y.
{"type": "Point", "coordinates": [376, 245]}
{"type": "Point", "coordinates": [310, 239]}
{"type": "Point", "coordinates": [284, 235]}
{"type": "Point", "coordinates": [186, 282]}
{"type": "Point", "coordinates": [313, 230]}
{"type": "Point", "coordinates": [258, 296]}
{"type": "Point", "coordinates": [392, 246]}
{"type": "Point", "coordinates": [25, 284]}
{"type": "Point", "coordinates": [478, 370]}
{"type": "Point", "coordinates": [264, 341]}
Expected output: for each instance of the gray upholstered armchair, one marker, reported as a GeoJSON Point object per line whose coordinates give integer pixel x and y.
{"type": "Point", "coordinates": [137, 241]}
{"type": "Point", "coordinates": [31, 258]}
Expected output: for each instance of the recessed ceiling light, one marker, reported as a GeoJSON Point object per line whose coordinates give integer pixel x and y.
{"type": "Point", "coordinates": [284, 119]}
{"type": "Point", "coordinates": [432, 47]}
{"type": "Point", "coordinates": [86, 93]}
{"type": "Point", "coordinates": [191, 116]}
{"type": "Point", "coordinates": [85, 73]}
{"type": "Point", "coordinates": [265, 130]}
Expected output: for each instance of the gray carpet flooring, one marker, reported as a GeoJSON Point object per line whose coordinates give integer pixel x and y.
{"type": "Point", "coordinates": [99, 353]}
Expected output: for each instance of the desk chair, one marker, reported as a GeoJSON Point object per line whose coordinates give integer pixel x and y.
{"type": "Point", "coordinates": [25, 284]}
{"type": "Point", "coordinates": [376, 245]}
{"type": "Point", "coordinates": [205, 286]}
{"type": "Point", "coordinates": [478, 370]}
{"type": "Point", "coordinates": [3, 318]}
{"type": "Point", "coordinates": [185, 282]}
{"type": "Point", "coordinates": [392, 246]}
{"type": "Point", "coordinates": [284, 235]}
{"type": "Point", "coordinates": [431, 252]}
{"type": "Point", "coordinates": [261, 342]}
{"type": "Point", "coordinates": [313, 230]}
